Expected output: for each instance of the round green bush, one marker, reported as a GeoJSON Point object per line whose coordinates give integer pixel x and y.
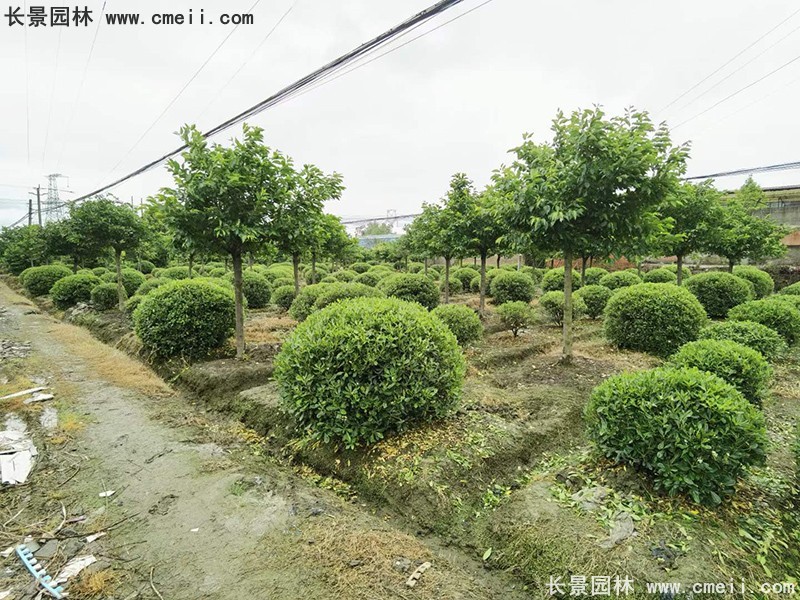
{"type": "Point", "coordinates": [217, 272]}
{"type": "Point", "coordinates": [175, 273]}
{"type": "Point", "coordinates": [360, 267]}
{"type": "Point", "coordinates": [415, 267]}
{"type": "Point", "coordinates": [533, 273]}
{"type": "Point", "coordinates": [748, 333]}
{"type": "Point", "coordinates": [283, 296]}
{"type": "Point", "coordinates": [593, 275]}
{"type": "Point", "coordinates": [343, 291]}
{"type": "Point", "coordinates": [108, 277]}
{"type": "Point", "coordinates": [465, 275]}
{"type": "Point", "coordinates": [131, 280]}
{"type": "Point", "coordinates": [516, 316]}
{"type": "Point", "coordinates": [744, 368]}
{"type": "Point", "coordinates": [145, 266]}
{"type": "Point", "coordinates": [132, 303]}
{"type": "Point", "coordinates": [345, 276]}
{"type": "Point", "coordinates": [553, 280]}
{"type": "Point", "coordinates": [791, 290]}
{"type": "Point", "coordinates": [686, 271]}
{"type": "Point", "coordinates": [662, 275]}
{"type": "Point", "coordinates": [70, 290]}
{"type": "Point", "coordinates": [790, 299]}
{"type": "Point", "coordinates": [104, 296]}
{"type": "Point", "coordinates": [370, 279]}
{"type": "Point", "coordinates": [283, 281]}
{"type": "Point", "coordinates": [719, 292]}
{"type": "Point", "coordinates": [39, 280]}
{"type": "Point", "coordinates": [411, 287]}
{"type": "Point", "coordinates": [490, 275]}
{"type": "Point", "coordinates": [433, 275]}
{"type": "Point", "coordinates": [99, 271]}
{"type": "Point", "coordinates": [620, 279]}
{"type": "Point", "coordinates": [776, 314]}
{"type": "Point", "coordinates": [275, 273]}
{"type": "Point", "coordinates": [303, 304]}
{"type": "Point", "coordinates": [368, 367]}
{"type": "Point", "coordinates": [595, 297]}
{"type": "Point", "coordinates": [692, 432]}
{"type": "Point", "coordinates": [653, 317]}
{"type": "Point", "coordinates": [455, 285]}
{"type": "Point", "coordinates": [552, 306]}
{"type": "Point", "coordinates": [320, 273]}
{"type": "Point", "coordinates": [255, 287]}
{"type": "Point", "coordinates": [462, 321]}
{"type": "Point", "coordinates": [475, 285]}
{"type": "Point", "coordinates": [187, 318]}
{"type": "Point", "coordinates": [151, 284]}
{"type": "Point", "coordinates": [762, 281]}
{"type": "Point", "coordinates": [512, 286]}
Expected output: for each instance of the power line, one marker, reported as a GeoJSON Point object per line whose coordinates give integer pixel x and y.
{"type": "Point", "coordinates": [180, 92]}
{"type": "Point", "coordinates": [765, 169]}
{"type": "Point", "coordinates": [729, 61]}
{"type": "Point", "coordinates": [27, 90]}
{"type": "Point", "coordinates": [52, 94]}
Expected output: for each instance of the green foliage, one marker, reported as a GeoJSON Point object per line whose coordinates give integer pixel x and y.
{"type": "Point", "coordinates": [283, 296]}
{"type": "Point", "coordinates": [145, 266]}
{"type": "Point", "coordinates": [657, 318]}
{"type": "Point", "coordinates": [132, 303]}
{"type": "Point", "coordinates": [175, 273]}
{"type": "Point", "coordinates": [104, 296]}
{"type": "Point", "coordinates": [465, 275]}
{"type": "Point", "coordinates": [303, 304]}
{"type": "Point", "coordinates": [693, 433]}
{"type": "Point", "coordinates": [593, 275]}
{"type": "Point", "coordinates": [595, 298]}
{"type": "Point", "coordinates": [475, 285]}
{"type": "Point", "coordinates": [719, 292]}
{"type": "Point", "coordinates": [620, 279]}
{"type": "Point", "coordinates": [775, 314]}
{"type": "Point", "coordinates": [793, 289]}
{"type": "Point", "coordinates": [39, 280]}
{"type": "Point", "coordinates": [99, 271]}
{"type": "Point", "coordinates": [275, 272]}
{"type": "Point", "coordinates": [131, 280]}
{"type": "Point", "coordinates": [512, 286]}
{"type": "Point", "coordinates": [101, 223]}
{"type": "Point", "coordinates": [23, 247]}
{"type": "Point", "coordinates": [516, 316]}
{"type": "Point", "coordinates": [360, 267]}
{"type": "Point", "coordinates": [364, 368]}
{"type": "Point", "coordinates": [748, 333]}
{"type": "Point", "coordinates": [462, 321]}
{"type": "Point", "coordinates": [256, 288]}
{"type": "Point", "coordinates": [320, 273]}
{"type": "Point", "coordinates": [762, 281]}
{"type": "Point", "coordinates": [376, 228]}
{"type": "Point", "coordinates": [662, 275]}
{"type": "Point", "coordinates": [343, 291]}
{"type": "Point", "coordinates": [187, 318]}
{"type": "Point", "coordinates": [67, 292]}
{"type": "Point", "coordinates": [344, 275]}
{"type": "Point", "coordinates": [686, 271]}
{"type": "Point", "coordinates": [744, 368]}
{"type": "Point", "coordinates": [553, 280]}
{"type": "Point", "coordinates": [552, 305]}
{"type": "Point", "coordinates": [412, 287]}
{"type": "Point", "coordinates": [370, 278]}
{"type": "Point", "coordinates": [151, 284]}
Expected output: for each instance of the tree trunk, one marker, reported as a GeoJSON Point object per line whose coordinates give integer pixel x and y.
{"type": "Point", "coordinates": [680, 269]}
{"type": "Point", "coordinates": [74, 264]}
{"type": "Point", "coordinates": [460, 263]}
{"type": "Point", "coordinates": [239, 300]}
{"type": "Point", "coordinates": [474, 261]}
{"type": "Point", "coordinates": [446, 280]}
{"type": "Point", "coordinates": [567, 353]}
{"type": "Point", "coordinates": [498, 260]}
{"type": "Point", "coordinates": [296, 267]}
{"type": "Point", "coordinates": [483, 283]}
{"type": "Point", "coordinates": [313, 268]}
{"type": "Point", "coordinates": [226, 264]}
{"type": "Point", "coordinates": [191, 264]}
{"type": "Point", "coordinates": [730, 265]}
{"type": "Point", "coordinates": [251, 261]}
{"type": "Point", "coordinates": [426, 266]}
{"type": "Point", "coordinates": [583, 268]}
{"type": "Point", "coordinates": [121, 295]}
{"type": "Point", "coordinates": [591, 261]}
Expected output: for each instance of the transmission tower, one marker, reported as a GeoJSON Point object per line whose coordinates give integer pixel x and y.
{"type": "Point", "coordinates": [53, 209]}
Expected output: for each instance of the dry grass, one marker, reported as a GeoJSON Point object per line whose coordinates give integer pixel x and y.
{"type": "Point", "coordinates": [99, 584]}
{"type": "Point", "coordinates": [110, 364]}
{"type": "Point", "coordinates": [264, 329]}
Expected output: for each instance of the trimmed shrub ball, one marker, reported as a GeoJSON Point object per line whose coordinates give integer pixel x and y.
{"type": "Point", "coordinates": [415, 267]}
{"type": "Point", "coordinates": [692, 432]}
{"type": "Point", "coordinates": [360, 267]}
{"type": "Point", "coordinates": [187, 318]}
{"type": "Point", "coordinates": [256, 288]}
{"type": "Point", "coordinates": [763, 284]}
{"type": "Point", "coordinates": [104, 296]}
{"type": "Point", "coordinates": [657, 318]}
{"type": "Point", "coordinates": [789, 290]}
{"type": "Point", "coordinates": [361, 369]}
{"type": "Point", "coordinates": [283, 296]}
{"type": "Point", "coordinates": [145, 266]}
{"type": "Point", "coordinates": [412, 287]}
{"type": "Point", "coordinates": [107, 277]}
{"type": "Point", "coordinates": [687, 272]}
{"type": "Point", "coordinates": [39, 280]}
{"type": "Point", "coordinates": [132, 303]}
{"type": "Point", "coordinates": [370, 279]}
{"type": "Point", "coordinates": [344, 276]}
{"type": "Point", "coordinates": [344, 291]}
{"type": "Point", "coordinates": [462, 321]}
{"type": "Point", "coordinates": [620, 279]}
{"type": "Point", "coordinates": [67, 292]}
{"type": "Point", "coordinates": [552, 305]}
{"type": "Point", "coordinates": [593, 275]}
{"type": "Point", "coordinates": [533, 273]}
{"type": "Point", "coordinates": [303, 304]}
{"type": "Point", "coordinates": [512, 286]}
{"type": "Point", "coordinates": [748, 333]}
{"type": "Point", "coordinates": [516, 316]}
{"type": "Point", "coordinates": [99, 271]}
{"type": "Point", "coordinates": [475, 285]}
{"type": "Point", "coordinates": [744, 368]}
{"type": "Point", "coordinates": [175, 273]}
{"type": "Point", "coordinates": [719, 292]}
{"type": "Point", "coordinates": [553, 280]}
{"type": "Point", "coordinates": [465, 275]}
{"type": "Point", "coordinates": [661, 275]}
{"type": "Point", "coordinates": [320, 273]}
{"type": "Point", "coordinates": [151, 284]}
{"type": "Point", "coordinates": [131, 280]}
{"type": "Point", "coordinates": [595, 297]}
{"type": "Point", "coordinates": [778, 315]}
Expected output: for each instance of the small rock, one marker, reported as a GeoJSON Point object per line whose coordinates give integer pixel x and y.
{"type": "Point", "coordinates": [72, 546]}
{"type": "Point", "coordinates": [402, 565]}
{"type": "Point", "coordinates": [100, 565]}
{"type": "Point", "coordinates": [47, 551]}
{"type": "Point", "coordinates": [621, 529]}
{"type": "Point", "coordinates": [32, 546]}
{"type": "Point", "coordinates": [355, 563]}
{"type": "Point", "coordinates": [590, 499]}
{"type": "Point", "coordinates": [316, 511]}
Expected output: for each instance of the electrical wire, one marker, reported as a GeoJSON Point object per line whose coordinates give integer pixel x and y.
{"type": "Point", "coordinates": [27, 90]}
{"type": "Point", "coordinates": [52, 95]}
{"type": "Point", "coordinates": [766, 169]}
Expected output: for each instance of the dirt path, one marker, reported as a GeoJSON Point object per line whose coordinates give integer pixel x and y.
{"type": "Point", "coordinates": [202, 514]}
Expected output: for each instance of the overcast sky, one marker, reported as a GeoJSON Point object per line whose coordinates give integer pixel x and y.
{"type": "Point", "coordinates": [398, 128]}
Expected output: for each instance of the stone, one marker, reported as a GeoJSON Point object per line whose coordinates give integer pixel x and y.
{"type": "Point", "coordinates": [47, 551]}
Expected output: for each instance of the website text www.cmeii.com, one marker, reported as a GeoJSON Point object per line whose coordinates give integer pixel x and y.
{"type": "Point", "coordinates": [614, 586]}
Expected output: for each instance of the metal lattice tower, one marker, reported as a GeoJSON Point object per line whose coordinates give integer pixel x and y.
{"type": "Point", "coordinates": [53, 209]}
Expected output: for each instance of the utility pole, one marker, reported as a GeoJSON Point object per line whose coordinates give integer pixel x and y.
{"type": "Point", "coordinates": [39, 203]}
{"type": "Point", "coordinates": [30, 212]}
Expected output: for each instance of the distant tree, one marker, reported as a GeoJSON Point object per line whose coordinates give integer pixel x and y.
{"type": "Point", "coordinates": [450, 232]}
{"type": "Point", "coordinates": [228, 198]}
{"type": "Point", "coordinates": [330, 241]}
{"type": "Point", "coordinates": [483, 229]}
{"type": "Point", "coordinates": [23, 247]}
{"type": "Point", "coordinates": [60, 240]}
{"type": "Point", "coordinates": [102, 223]}
{"type": "Point", "coordinates": [597, 184]}
{"type": "Point", "coordinates": [376, 228]}
{"type": "Point", "coordinates": [738, 233]}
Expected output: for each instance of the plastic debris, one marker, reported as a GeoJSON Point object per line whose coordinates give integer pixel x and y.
{"type": "Point", "coordinates": [414, 578]}
{"type": "Point", "coordinates": [5, 594]}
{"type": "Point", "coordinates": [621, 529]}
{"type": "Point", "coordinates": [23, 393]}
{"type": "Point", "coordinates": [16, 456]}
{"type": "Point", "coordinates": [38, 398]}
{"type": "Point", "coordinates": [107, 494]}
{"type": "Point", "coordinates": [95, 536]}
{"type": "Point", "coordinates": [7, 552]}
{"type": "Point", "coordinates": [73, 567]}
{"type": "Point", "coordinates": [39, 573]}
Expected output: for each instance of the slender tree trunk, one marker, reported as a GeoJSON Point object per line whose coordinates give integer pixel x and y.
{"type": "Point", "coordinates": [446, 280]}
{"type": "Point", "coordinates": [121, 295]}
{"type": "Point", "coordinates": [426, 265]}
{"type": "Point", "coordinates": [74, 264]}
{"type": "Point", "coordinates": [483, 283]}
{"type": "Point", "coordinates": [250, 261]}
{"type": "Point", "coordinates": [730, 265]}
{"type": "Point", "coordinates": [591, 261]}
{"type": "Point", "coordinates": [296, 267]}
{"type": "Point", "coordinates": [567, 353]}
{"type": "Point", "coordinates": [191, 264]}
{"type": "Point", "coordinates": [226, 264]}
{"type": "Point", "coordinates": [474, 261]}
{"type": "Point", "coordinates": [552, 262]}
{"type": "Point", "coordinates": [680, 269]}
{"type": "Point", "coordinates": [313, 268]}
{"type": "Point", "coordinates": [239, 300]}
{"type": "Point", "coordinates": [583, 268]}
{"type": "Point", "coordinates": [498, 260]}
